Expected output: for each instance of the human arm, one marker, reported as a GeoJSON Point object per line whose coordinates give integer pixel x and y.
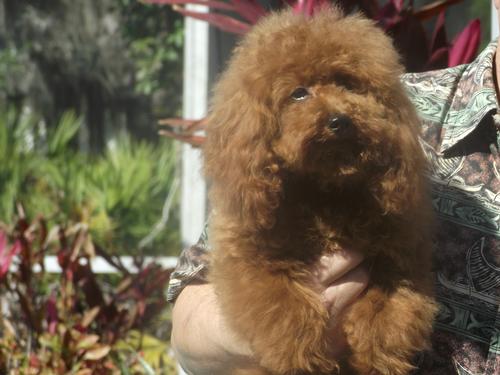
{"type": "Point", "coordinates": [202, 341]}
{"type": "Point", "coordinates": [204, 344]}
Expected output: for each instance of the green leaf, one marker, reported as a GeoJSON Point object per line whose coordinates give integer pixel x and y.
{"type": "Point", "coordinates": [97, 353]}
{"type": "Point", "coordinates": [87, 341]}
{"type": "Point", "coordinates": [64, 132]}
{"type": "Point", "coordinates": [147, 368]}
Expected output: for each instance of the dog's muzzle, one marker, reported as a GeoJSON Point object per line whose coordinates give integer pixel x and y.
{"type": "Point", "coordinates": [340, 124]}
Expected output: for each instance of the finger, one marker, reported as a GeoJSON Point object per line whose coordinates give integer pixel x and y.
{"type": "Point", "coordinates": [345, 290]}
{"type": "Point", "coordinates": [337, 341]}
{"type": "Point", "coordinates": [332, 267]}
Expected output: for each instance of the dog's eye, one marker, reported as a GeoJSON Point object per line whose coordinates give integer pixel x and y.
{"type": "Point", "coordinates": [348, 82]}
{"type": "Point", "coordinates": [300, 93]}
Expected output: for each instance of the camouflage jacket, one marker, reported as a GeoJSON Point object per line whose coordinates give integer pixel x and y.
{"type": "Point", "coordinates": [456, 106]}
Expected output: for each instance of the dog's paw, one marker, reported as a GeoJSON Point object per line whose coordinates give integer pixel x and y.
{"type": "Point", "coordinates": [386, 330]}
{"type": "Point", "coordinates": [301, 356]}
{"type": "Point", "coordinates": [295, 342]}
{"type": "Point", "coordinates": [278, 313]}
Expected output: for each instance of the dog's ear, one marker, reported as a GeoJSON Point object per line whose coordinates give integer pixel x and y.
{"type": "Point", "coordinates": [242, 171]}
{"type": "Point", "coordinates": [403, 186]}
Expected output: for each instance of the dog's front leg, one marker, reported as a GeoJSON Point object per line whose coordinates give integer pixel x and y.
{"type": "Point", "coordinates": [387, 328]}
{"type": "Point", "coordinates": [282, 318]}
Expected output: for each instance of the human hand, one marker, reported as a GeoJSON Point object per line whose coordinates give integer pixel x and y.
{"type": "Point", "coordinates": [341, 278]}
{"type": "Point", "coordinates": [203, 342]}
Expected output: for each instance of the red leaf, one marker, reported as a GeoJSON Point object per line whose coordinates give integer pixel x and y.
{"type": "Point", "coordinates": [194, 140]}
{"type": "Point", "coordinates": [61, 258]}
{"type": "Point", "coordinates": [348, 5]}
{"type": "Point", "coordinates": [4, 263]}
{"type": "Point", "coordinates": [51, 313]}
{"type": "Point", "coordinates": [465, 45]}
{"type": "Point", "coordinates": [225, 23]}
{"type": "Point", "coordinates": [411, 41]}
{"type": "Point", "coordinates": [15, 249]}
{"type": "Point", "coordinates": [6, 255]}
{"type": "Point", "coordinates": [438, 59]}
{"type": "Point", "coordinates": [430, 10]}
{"type": "Point", "coordinates": [3, 241]}
{"type": "Point", "coordinates": [398, 4]}
{"type": "Point", "coordinates": [389, 16]}
{"type": "Point", "coordinates": [141, 307]}
{"type": "Point", "coordinates": [369, 7]}
{"type": "Point", "coordinates": [68, 274]}
{"type": "Point", "coordinates": [184, 125]}
{"type": "Point", "coordinates": [439, 39]}
{"type": "Point", "coordinates": [212, 4]}
{"type": "Point", "coordinates": [34, 362]}
{"type": "Point", "coordinates": [249, 10]}
{"type": "Point", "coordinates": [308, 7]}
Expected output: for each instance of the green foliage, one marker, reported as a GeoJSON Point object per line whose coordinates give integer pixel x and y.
{"type": "Point", "coordinates": [119, 194]}
{"type": "Point", "coordinates": [153, 57]}
{"type": "Point", "coordinates": [60, 136]}
{"type": "Point", "coordinates": [155, 351]}
{"type": "Point", "coordinates": [16, 158]}
{"type": "Point", "coordinates": [482, 10]}
{"type": "Point", "coordinates": [74, 322]}
{"type": "Point", "coordinates": [155, 37]}
{"type": "Point", "coordinates": [12, 68]}
{"type": "Point", "coordinates": [130, 184]}
{"type": "Point", "coordinates": [104, 59]}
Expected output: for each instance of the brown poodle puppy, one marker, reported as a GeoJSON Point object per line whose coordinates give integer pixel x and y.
{"type": "Point", "coordinates": [312, 146]}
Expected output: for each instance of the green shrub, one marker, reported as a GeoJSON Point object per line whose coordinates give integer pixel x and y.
{"type": "Point", "coordinates": [75, 322]}
{"type": "Point", "coordinates": [119, 194]}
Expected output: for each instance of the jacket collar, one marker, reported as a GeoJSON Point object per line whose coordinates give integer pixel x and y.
{"type": "Point", "coordinates": [473, 99]}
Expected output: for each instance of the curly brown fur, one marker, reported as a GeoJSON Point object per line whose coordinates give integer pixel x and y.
{"type": "Point", "coordinates": [287, 186]}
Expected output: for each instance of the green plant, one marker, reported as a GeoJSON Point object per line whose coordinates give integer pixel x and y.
{"type": "Point", "coordinates": [119, 194]}
{"type": "Point", "coordinates": [14, 71]}
{"type": "Point", "coordinates": [155, 38]}
{"type": "Point", "coordinates": [154, 56]}
{"type": "Point", "coordinates": [129, 186]}
{"type": "Point", "coordinates": [18, 135]}
{"type": "Point", "coordinates": [75, 322]}
{"type": "Point", "coordinates": [482, 10]}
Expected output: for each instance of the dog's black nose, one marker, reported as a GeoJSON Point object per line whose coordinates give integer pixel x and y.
{"type": "Point", "coordinates": [339, 123]}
